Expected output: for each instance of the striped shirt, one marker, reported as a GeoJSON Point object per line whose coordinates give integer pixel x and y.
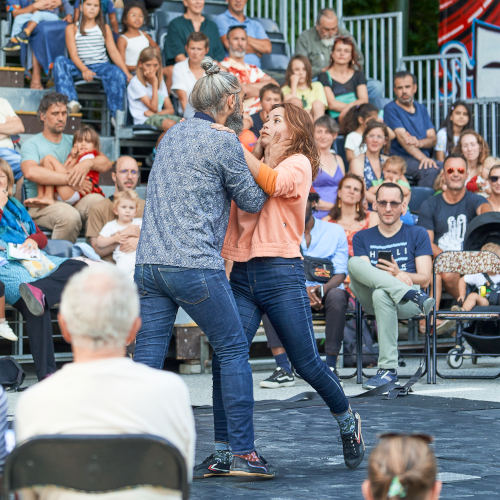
{"type": "Point", "coordinates": [91, 47]}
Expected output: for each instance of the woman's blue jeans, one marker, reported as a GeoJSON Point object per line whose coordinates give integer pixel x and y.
{"type": "Point", "coordinates": [206, 296]}
{"type": "Point", "coordinates": [276, 286]}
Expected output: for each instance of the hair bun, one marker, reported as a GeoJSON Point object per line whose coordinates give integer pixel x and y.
{"type": "Point", "coordinates": [210, 66]}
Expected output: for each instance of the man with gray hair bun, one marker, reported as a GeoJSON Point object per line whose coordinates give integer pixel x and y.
{"type": "Point", "coordinates": [102, 391]}
{"type": "Point", "coordinates": [196, 173]}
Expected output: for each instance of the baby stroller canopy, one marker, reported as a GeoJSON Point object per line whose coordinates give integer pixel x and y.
{"type": "Point", "coordinates": [484, 228]}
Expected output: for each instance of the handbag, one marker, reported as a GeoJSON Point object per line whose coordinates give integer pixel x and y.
{"type": "Point", "coordinates": [317, 269]}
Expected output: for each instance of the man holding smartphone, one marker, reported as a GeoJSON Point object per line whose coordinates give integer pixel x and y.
{"type": "Point", "coordinates": [392, 262]}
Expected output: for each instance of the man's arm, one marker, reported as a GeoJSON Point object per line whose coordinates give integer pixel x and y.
{"type": "Point", "coordinates": [12, 125]}
{"type": "Point", "coordinates": [435, 249]}
{"type": "Point", "coordinates": [259, 46]}
{"type": "Point", "coordinates": [253, 89]}
{"type": "Point", "coordinates": [35, 173]}
{"type": "Point", "coordinates": [100, 163]}
{"type": "Point", "coordinates": [409, 144]}
{"type": "Point", "coordinates": [423, 276]}
{"type": "Point", "coordinates": [482, 209]}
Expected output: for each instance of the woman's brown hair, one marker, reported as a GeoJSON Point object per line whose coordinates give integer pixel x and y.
{"type": "Point", "coordinates": [336, 211]}
{"type": "Point", "coordinates": [307, 66]}
{"type": "Point", "coordinates": [99, 20]}
{"type": "Point", "coordinates": [346, 40]}
{"type": "Point", "coordinates": [301, 130]}
{"type": "Point", "coordinates": [485, 149]}
{"type": "Point", "coordinates": [7, 170]}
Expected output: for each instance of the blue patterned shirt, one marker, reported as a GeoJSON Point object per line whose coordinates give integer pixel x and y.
{"type": "Point", "coordinates": [196, 173]}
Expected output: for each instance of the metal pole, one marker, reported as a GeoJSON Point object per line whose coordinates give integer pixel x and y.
{"type": "Point", "coordinates": [340, 10]}
{"type": "Point", "coordinates": [404, 7]}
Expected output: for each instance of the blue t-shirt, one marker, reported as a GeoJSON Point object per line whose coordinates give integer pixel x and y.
{"type": "Point", "coordinates": [252, 27]}
{"type": "Point", "coordinates": [406, 245]}
{"type": "Point", "coordinates": [416, 124]}
{"type": "Point", "coordinates": [328, 241]}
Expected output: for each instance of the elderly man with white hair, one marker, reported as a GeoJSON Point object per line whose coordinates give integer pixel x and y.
{"type": "Point", "coordinates": [102, 391]}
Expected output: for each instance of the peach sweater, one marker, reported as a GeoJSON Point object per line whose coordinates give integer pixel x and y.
{"type": "Point", "coordinates": [276, 231]}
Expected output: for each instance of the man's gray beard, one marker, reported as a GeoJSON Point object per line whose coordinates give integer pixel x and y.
{"type": "Point", "coordinates": [235, 120]}
{"type": "Point", "coordinates": [328, 42]}
{"type": "Point", "coordinates": [238, 54]}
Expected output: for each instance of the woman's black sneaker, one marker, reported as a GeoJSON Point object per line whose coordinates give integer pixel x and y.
{"type": "Point", "coordinates": [255, 468]}
{"type": "Point", "coordinates": [353, 445]}
{"type": "Point", "coordinates": [217, 464]}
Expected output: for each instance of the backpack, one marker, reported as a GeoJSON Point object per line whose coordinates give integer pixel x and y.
{"type": "Point", "coordinates": [11, 373]}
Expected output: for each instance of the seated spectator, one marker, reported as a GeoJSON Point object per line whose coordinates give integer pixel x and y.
{"type": "Point", "coordinates": [251, 77]}
{"type": "Point", "coordinates": [31, 296]}
{"type": "Point", "coordinates": [64, 220]}
{"type": "Point", "coordinates": [133, 40]}
{"type": "Point", "coordinates": [89, 43]}
{"type": "Point", "coordinates": [316, 44]}
{"type": "Point", "coordinates": [402, 466]}
{"type": "Point", "coordinates": [85, 147]}
{"type": "Point", "coordinates": [415, 134]}
{"type": "Point", "coordinates": [348, 210]}
{"type": "Point", "coordinates": [269, 95]}
{"type": "Point", "coordinates": [331, 167]}
{"type": "Point", "coordinates": [354, 126]}
{"type": "Point", "coordinates": [447, 215]}
{"type": "Point", "coordinates": [459, 118]}
{"type": "Point", "coordinates": [102, 391]}
{"type": "Point", "coordinates": [125, 205]}
{"type": "Point", "coordinates": [476, 152]}
{"type": "Point", "coordinates": [494, 181]}
{"type": "Point", "coordinates": [192, 21]}
{"type": "Point", "coordinates": [187, 72]}
{"type": "Point", "coordinates": [108, 12]}
{"type": "Point", "coordinates": [324, 241]}
{"type": "Point", "coordinates": [10, 124]}
{"type": "Point", "coordinates": [344, 82]}
{"type": "Point", "coordinates": [299, 89]}
{"type": "Point", "coordinates": [147, 94]}
{"type": "Point", "coordinates": [125, 175]}
{"type": "Point", "coordinates": [258, 41]}
{"type": "Point", "coordinates": [369, 164]}
{"type": "Point", "coordinates": [391, 288]}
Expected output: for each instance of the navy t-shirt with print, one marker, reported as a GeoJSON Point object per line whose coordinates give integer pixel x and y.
{"type": "Point", "coordinates": [407, 244]}
{"type": "Point", "coordinates": [449, 221]}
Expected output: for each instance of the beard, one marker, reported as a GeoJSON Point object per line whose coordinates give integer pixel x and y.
{"type": "Point", "coordinates": [328, 42]}
{"type": "Point", "coordinates": [235, 120]}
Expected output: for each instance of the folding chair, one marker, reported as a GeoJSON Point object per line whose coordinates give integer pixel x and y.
{"type": "Point", "coordinates": [465, 263]}
{"type": "Point", "coordinates": [96, 463]}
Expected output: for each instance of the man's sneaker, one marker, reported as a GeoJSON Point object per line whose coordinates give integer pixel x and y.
{"type": "Point", "coordinates": [12, 45]}
{"type": "Point", "coordinates": [423, 301]}
{"type": "Point", "coordinates": [22, 37]}
{"type": "Point", "coordinates": [217, 464]}
{"type": "Point", "coordinates": [255, 468]}
{"type": "Point", "coordinates": [353, 445]}
{"type": "Point", "coordinates": [279, 378]}
{"type": "Point", "coordinates": [381, 378]}
{"type": "Point", "coordinates": [74, 107]}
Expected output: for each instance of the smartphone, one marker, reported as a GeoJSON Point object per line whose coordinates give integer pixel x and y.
{"type": "Point", "coordinates": [384, 255]}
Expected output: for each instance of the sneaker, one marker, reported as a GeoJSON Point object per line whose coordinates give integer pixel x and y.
{"type": "Point", "coordinates": [6, 331]}
{"type": "Point", "coordinates": [74, 107]}
{"type": "Point", "coordinates": [423, 301]}
{"type": "Point", "coordinates": [279, 378]}
{"type": "Point", "coordinates": [353, 445]}
{"type": "Point", "coordinates": [217, 464]}
{"type": "Point", "coordinates": [255, 468]}
{"type": "Point", "coordinates": [382, 377]}
{"type": "Point", "coordinates": [22, 37]}
{"type": "Point", "coordinates": [12, 45]}
{"type": "Point", "coordinates": [33, 298]}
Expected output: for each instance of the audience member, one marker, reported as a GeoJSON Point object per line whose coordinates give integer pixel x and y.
{"type": "Point", "coordinates": [258, 41]}
{"type": "Point", "coordinates": [402, 466]}
{"type": "Point", "coordinates": [269, 95]}
{"type": "Point", "coordinates": [108, 12]}
{"type": "Point", "coordinates": [354, 126]}
{"type": "Point", "coordinates": [147, 94]}
{"type": "Point", "coordinates": [446, 216]}
{"type": "Point", "coordinates": [125, 204]}
{"type": "Point", "coordinates": [390, 288]}
{"type": "Point", "coordinates": [64, 220]}
{"type": "Point", "coordinates": [331, 167]}
{"type": "Point", "coordinates": [299, 89]}
{"type": "Point", "coordinates": [320, 241]}
{"type": "Point", "coordinates": [179, 29]}
{"type": "Point", "coordinates": [348, 210]}
{"type": "Point", "coordinates": [102, 391]}
{"type": "Point", "coordinates": [459, 118]}
{"type": "Point", "coordinates": [494, 181]}
{"type": "Point", "coordinates": [4, 426]}
{"type": "Point", "coordinates": [369, 164]}
{"type": "Point", "coordinates": [125, 175]}
{"type": "Point", "coordinates": [10, 124]}
{"type": "Point", "coordinates": [188, 71]}
{"type": "Point", "coordinates": [345, 84]}
{"type": "Point", "coordinates": [415, 134]}
{"type": "Point", "coordinates": [251, 77]}
{"type": "Point", "coordinates": [133, 40]}
{"type": "Point", "coordinates": [316, 44]}
{"type": "Point", "coordinates": [90, 46]}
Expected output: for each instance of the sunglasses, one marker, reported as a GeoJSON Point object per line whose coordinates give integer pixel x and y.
{"type": "Point", "coordinates": [427, 438]}
{"type": "Point", "coordinates": [393, 204]}
{"type": "Point", "coordinates": [450, 170]}
{"type": "Point", "coordinates": [493, 178]}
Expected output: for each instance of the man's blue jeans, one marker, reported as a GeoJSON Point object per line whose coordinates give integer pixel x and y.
{"type": "Point", "coordinates": [206, 296]}
{"type": "Point", "coordinates": [276, 286]}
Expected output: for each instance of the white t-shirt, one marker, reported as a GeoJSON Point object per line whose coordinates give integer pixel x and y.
{"type": "Point", "coordinates": [5, 112]}
{"type": "Point", "coordinates": [136, 91]}
{"type": "Point", "coordinates": [442, 139]}
{"type": "Point", "coordinates": [184, 79]}
{"type": "Point", "coordinates": [353, 141]}
{"type": "Point", "coordinates": [109, 396]}
{"type": "Point", "coordinates": [479, 279]}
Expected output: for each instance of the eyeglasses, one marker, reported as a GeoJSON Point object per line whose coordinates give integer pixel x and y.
{"type": "Point", "coordinates": [125, 172]}
{"type": "Point", "coordinates": [493, 178]}
{"type": "Point", "coordinates": [393, 204]}
{"type": "Point", "coordinates": [427, 438]}
{"type": "Point", "coordinates": [450, 170]}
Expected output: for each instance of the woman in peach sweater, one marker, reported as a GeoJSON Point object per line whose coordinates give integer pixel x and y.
{"type": "Point", "coordinates": [268, 271]}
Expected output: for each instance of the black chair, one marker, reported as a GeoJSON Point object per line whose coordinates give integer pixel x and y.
{"type": "Point", "coordinates": [96, 463]}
